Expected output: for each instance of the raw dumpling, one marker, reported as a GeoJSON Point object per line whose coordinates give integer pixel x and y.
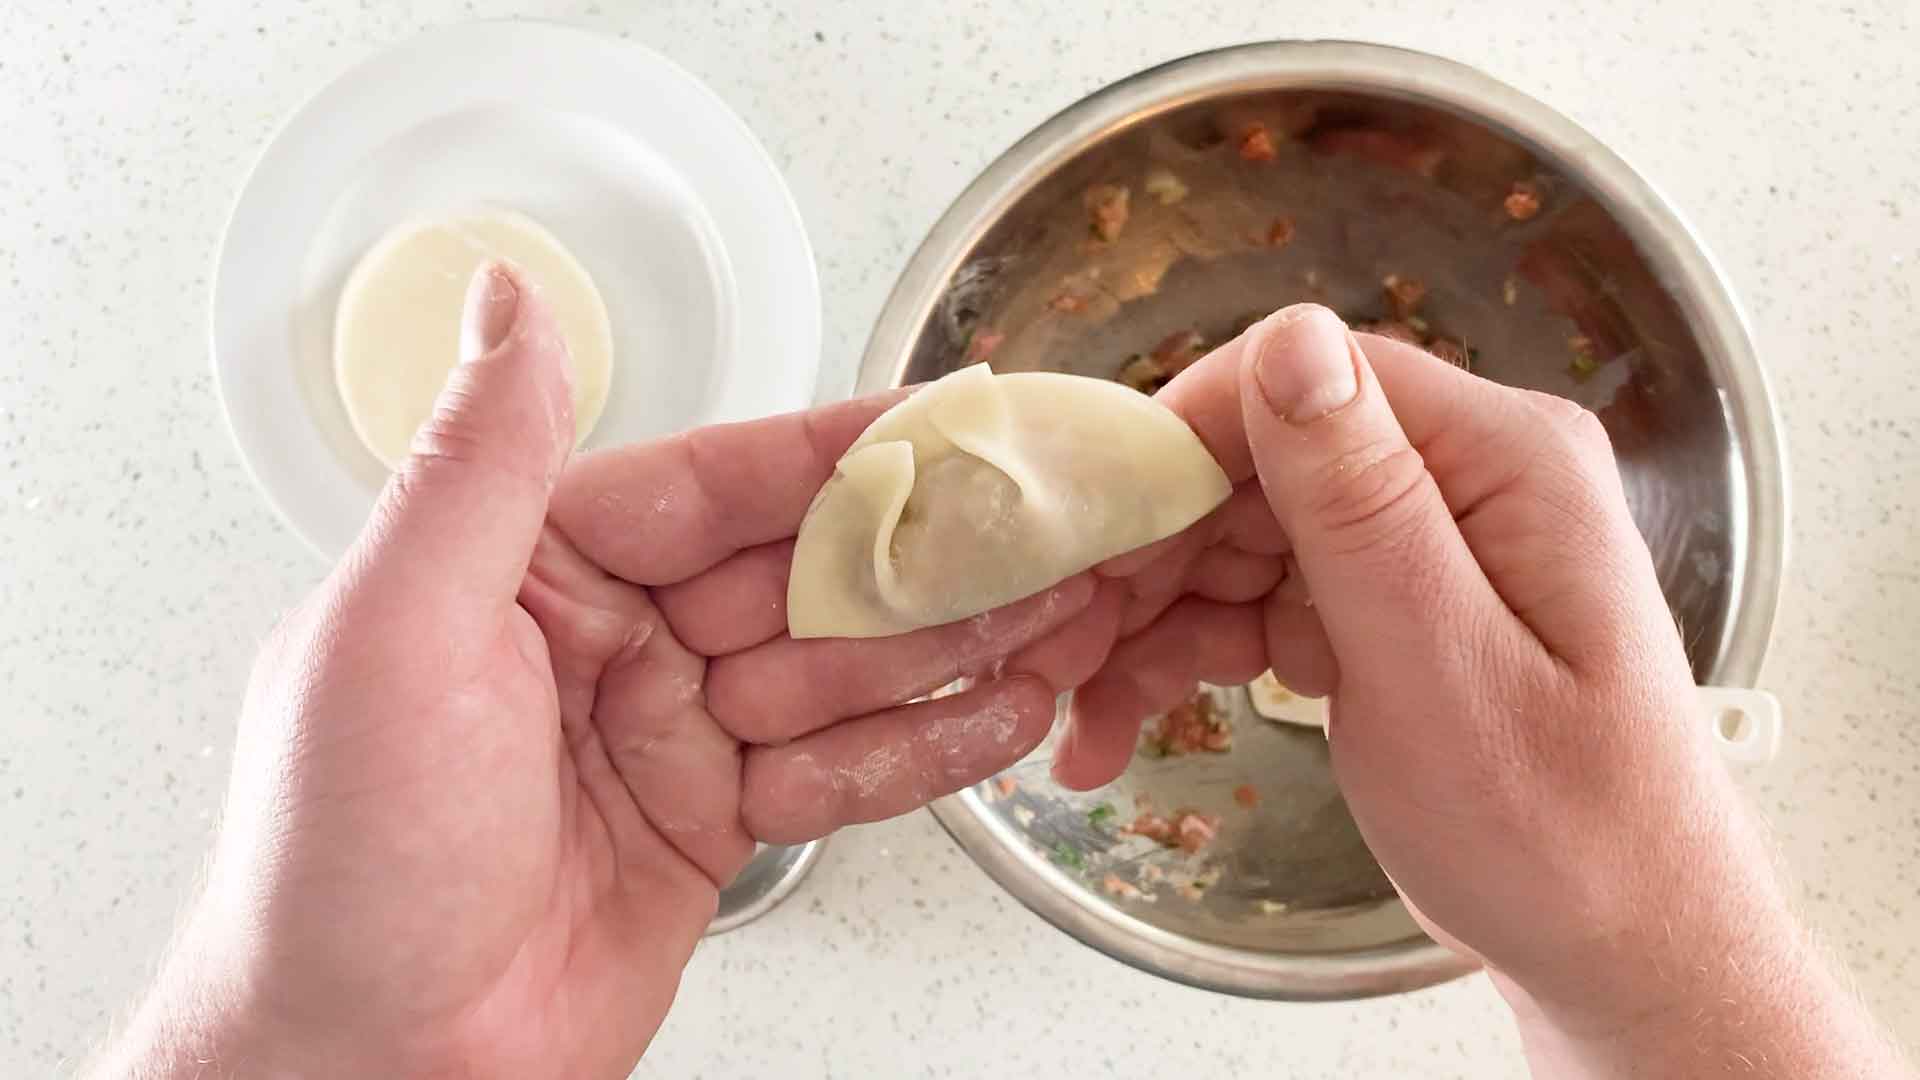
{"type": "Point", "coordinates": [982, 489]}
{"type": "Point", "coordinates": [396, 333]}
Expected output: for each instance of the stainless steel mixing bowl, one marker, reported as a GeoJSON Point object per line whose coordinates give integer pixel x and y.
{"type": "Point", "coordinates": [1385, 162]}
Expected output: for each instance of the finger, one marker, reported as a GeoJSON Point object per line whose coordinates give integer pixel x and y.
{"type": "Point", "coordinates": [450, 538]}
{"type": "Point", "coordinates": [1480, 441]}
{"type": "Point", "coordinates": [1141, 611]}
{"type": "Point", "coordinates": [1217, 573]}
{"type": "Point", "coordinates": [1232, 576]}
{"type": "Point", "coordinates": [1070, 655]}
{"type": "Point", "coordinates": [1297, 647]}
{"type": "Point", "coordinates": [1531, 480]}
{"type": "Point", "coordinates": [737, 604]}
{"type": "Point", "coordinates": [1447, 414]}
{"type": "Point", "coordinates": [1159, 582]}
{"type": "Point", "coordinates": [586, 616]}
{"type": "Point", "coordinates": [681, 768]}
{"type": "Point", "coordinates": [893, 761]}
{"type": "Point", "coordinates": [1207, 397]}
{"type": "Point", "coordinates": [1554, 533]}
{"type": "Point", "coordinates": [1375, 540]}
{"type": "Point", "coordinates": [659, 512]}
{"type": "Point", "coordinates": [1195, 641]}
{"type": "Point", "coordinates": [784, 688]}
{"type": "Point", "coordinates": [632, 715]}
{"type": "Point", "coordinates": [1246, 522]}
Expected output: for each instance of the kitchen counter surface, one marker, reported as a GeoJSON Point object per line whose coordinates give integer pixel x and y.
{"type": "Point", "coordinates": [138, 569]}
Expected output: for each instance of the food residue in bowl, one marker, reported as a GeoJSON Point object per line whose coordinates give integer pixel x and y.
{"type": "Point", "coordinates": [1273, 700]}
{"type": "Point", "coordinates": [1133, 243]}
{"type": "Point", "coordinates": [1405, 322]}
{"type": "Point", "coordinates": [1189, 830]}
{"type": "Point", "coordinates": [1149, 371]}
{"type": "Point", "coordinates": [1164, 186]}
{"type": "Point", "coordinates": [1107, 210]}
{"type": "Point", "coordinates": [1256, 144]}
{"type": "Point", "coordinates": [1523, 202]}
{"type": "Point", "coordinates": [1194, 726]}
{"type": "Point", "coordinates": [1585, 360]}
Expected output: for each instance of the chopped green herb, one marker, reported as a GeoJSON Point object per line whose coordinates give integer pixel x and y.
{"type": "Point", "coordinates": [1101, 814]}
{"type": "Point", "coordinates": [1068, 857]}
{"type": "Point", "coordinates": [1583, 365]}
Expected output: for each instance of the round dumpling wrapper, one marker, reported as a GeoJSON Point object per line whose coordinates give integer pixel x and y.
{"type": "Point", "coordinates": [396, 332]}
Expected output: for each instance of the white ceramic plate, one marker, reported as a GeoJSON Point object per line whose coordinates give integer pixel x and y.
{"type": "Point", "coordinates": [639, 169]}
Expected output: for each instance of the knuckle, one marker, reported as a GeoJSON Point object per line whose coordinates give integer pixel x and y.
{"type": "Point", "coordinates": [1570, 422]}
{"type": "Point", "coordinates": [441, 453]}
{"type": "Point", "coordinates": [457, 436]}
{"type": "Point", "coordinates": [786, 797]}
{"type": "Point", "coordinates": [737, 698]}
{"type": "Point", "coordinates": [1370, 493]}
{"type": "Point", "coordinates": [1589, 432]}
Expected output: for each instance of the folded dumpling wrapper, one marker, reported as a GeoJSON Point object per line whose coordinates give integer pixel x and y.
{"type": "Point", "coordinates": [982, 489]}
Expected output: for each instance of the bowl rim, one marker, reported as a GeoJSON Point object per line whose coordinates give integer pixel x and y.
{"type": "Point", "coordinates": [752, 893]}
{"type": "Point", "coordinates": [1665, 239]}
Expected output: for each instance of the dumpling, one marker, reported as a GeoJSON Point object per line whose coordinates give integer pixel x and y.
{"type": "Point", "coordinates": [982, 489]}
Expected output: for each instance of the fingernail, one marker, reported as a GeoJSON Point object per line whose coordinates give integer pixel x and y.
{"type": "Point", "coordinates": [492, 303]}
{"type": "Point", "coordinates": [1305, 363]}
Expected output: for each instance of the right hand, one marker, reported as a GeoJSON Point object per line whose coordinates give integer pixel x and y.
{"type": "Point", "coordinates": [1513, 722]}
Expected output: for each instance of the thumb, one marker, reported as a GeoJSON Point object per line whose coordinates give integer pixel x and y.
{"type": "Point", "coordinates": [454, 530]}
{"type": "Point", "coordinates": [1388, 570]}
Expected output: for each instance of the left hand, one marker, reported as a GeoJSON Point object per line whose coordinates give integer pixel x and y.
{"type": "Point", "coordinates": [491, 775]}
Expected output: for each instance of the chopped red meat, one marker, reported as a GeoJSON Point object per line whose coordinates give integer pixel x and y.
{"type": "Point", "coordinates": [982, 345]}
{"type": "Point", "coordinates": [1188, 830]}
{"type": "Point", "coordinates": [1178, 351]}
{"type": "Point", "coordinates": [1153, 827]}
{"type": "Point", "coordinates": [1194, 831]}
{"type": "Point", "coordinates": [1523, 202]}
{"type": "Point", "coordinates": [1256, 144]}
{"type": "Point", "coordinates": [1193, 726]}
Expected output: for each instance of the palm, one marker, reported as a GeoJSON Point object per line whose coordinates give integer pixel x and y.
{"type": "Point", "coordinates": [532, 805]}
{"type": "Point", "coordinates": [563, 977]}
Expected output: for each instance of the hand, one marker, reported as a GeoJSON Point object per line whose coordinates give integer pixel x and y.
{"type": "Point", "coordinates": [1512, 712]}
{"type": "Point", "coordinates": [491, 775]}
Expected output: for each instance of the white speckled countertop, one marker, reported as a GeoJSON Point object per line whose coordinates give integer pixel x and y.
{"type": "Point", "coordinates": [138, 568]}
